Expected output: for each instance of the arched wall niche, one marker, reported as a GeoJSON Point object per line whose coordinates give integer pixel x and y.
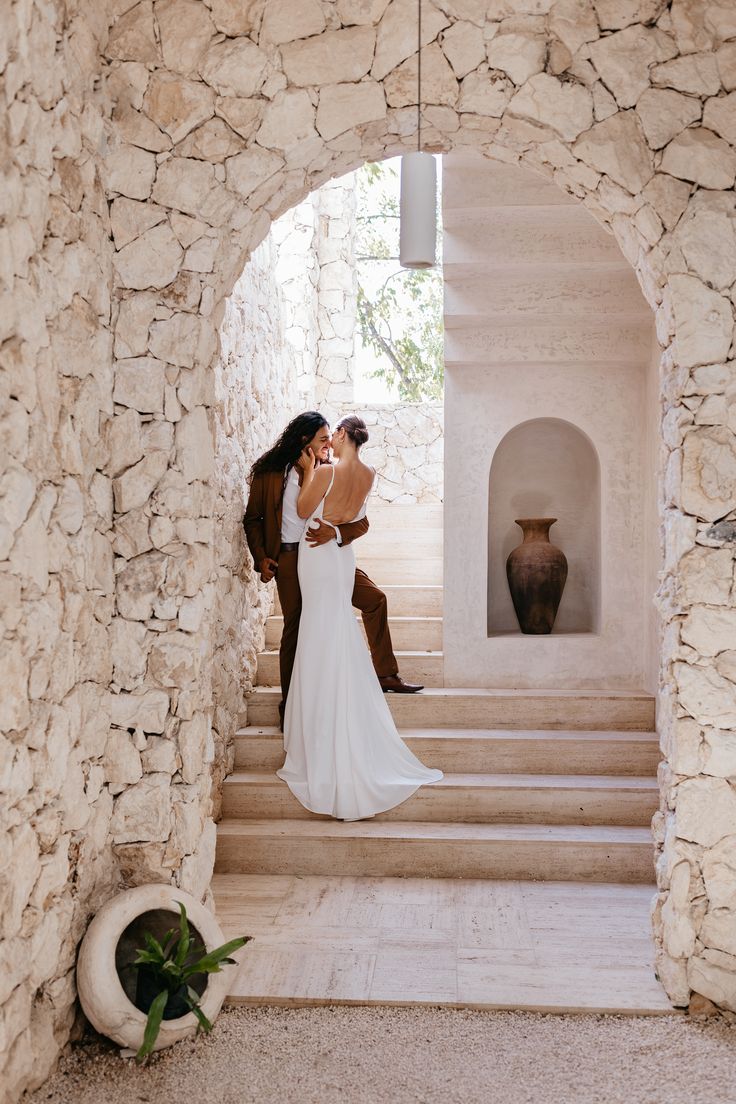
{"type": "Point", "coordinates": [546, 467]}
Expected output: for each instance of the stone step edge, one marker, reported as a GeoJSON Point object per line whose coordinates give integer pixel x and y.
{"type": "Point", "coordinates": [602, 1008]}
{"type": "Point", "coordinates": [413, 654]}
{"type": "Point", "coordinates": [559, 783]}
{"type": "Point", "coordinates": [519, 735]}
{"type": "Point", "coordinates": [441, 831]}
{"type": "Point", "coordinates": [405, 588]}
{"type": "Point", "coordinates": [389, 555]}
{"type": "Point", "coordinates": [415, 586]}
{"type": "Point", "coordinates": [400, 619]}
{"type": "Point", "coordinates": [502, 693]}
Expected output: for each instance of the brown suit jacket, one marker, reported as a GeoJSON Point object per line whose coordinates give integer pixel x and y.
{"type": "Point", "coordinates": [262, 519]}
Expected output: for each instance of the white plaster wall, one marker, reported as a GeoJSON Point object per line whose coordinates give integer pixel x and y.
{"type": "Point", "coordinates": [543, 319]}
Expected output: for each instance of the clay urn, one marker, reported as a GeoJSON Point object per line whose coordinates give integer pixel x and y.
{"type": "Point", "coordinates": [536, 571]}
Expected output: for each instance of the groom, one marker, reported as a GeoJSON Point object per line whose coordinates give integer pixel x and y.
{"type": "Point", "coordinates": [273, 531]}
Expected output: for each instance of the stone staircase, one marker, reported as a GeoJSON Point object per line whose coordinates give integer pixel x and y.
{"type": "Point", "coordinates": [539, 785]}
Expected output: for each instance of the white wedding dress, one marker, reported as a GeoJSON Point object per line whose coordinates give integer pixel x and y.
{"type": "Point", "coordinates": [344, 756]}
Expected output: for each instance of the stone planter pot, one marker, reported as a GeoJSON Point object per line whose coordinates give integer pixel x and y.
{"type": "Point", "coordinates": [107, 984]}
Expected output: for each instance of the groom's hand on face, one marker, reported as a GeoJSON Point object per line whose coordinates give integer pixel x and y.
{"type": "Point", "coordinates": [307, 461]}
{"type": "Point", "coordinates": [267, 568]}
{"type": "Point", "coordinates": [320, 533]}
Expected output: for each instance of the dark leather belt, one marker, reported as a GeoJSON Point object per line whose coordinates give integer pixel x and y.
{"type": "Point", "coordinates": [289, 546]}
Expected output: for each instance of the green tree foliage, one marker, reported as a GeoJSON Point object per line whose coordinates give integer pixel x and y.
{"type": "Point", "coordinates": [399, 310]}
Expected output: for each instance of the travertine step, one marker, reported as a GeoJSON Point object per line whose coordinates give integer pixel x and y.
{"type": "Point", "coordinates": [422, 634]}
{"type": "Point", "coordinates": [485, 709]}
{"type": "Point", "coordinates": [419, 545]}
{"type": "Point", "coordinates": [387, 569]}
{"type": "Point", "coordinates": [423, 667]}
{"type": "Point", "coordinates": [404, 516]}
{"type": "Point", "coordinates": [407, 849]}
{"type": "Point", "coordinates": [403, 601]}
{"type": "Point", "coordinates": [408, 600]}
{"type": "Point", "coordinates": [553, 947]}
{"type": "Point", "coordinates": [472, 799]}
{"type": "Point", "coordinates": [475, 750]}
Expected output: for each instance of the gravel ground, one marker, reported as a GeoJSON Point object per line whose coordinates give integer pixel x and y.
{"type": "Point", "coordinates": [353, 1055]}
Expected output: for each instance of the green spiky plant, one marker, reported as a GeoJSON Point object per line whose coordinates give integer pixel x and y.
{"type": "Point", "coordinates": [172, 964]}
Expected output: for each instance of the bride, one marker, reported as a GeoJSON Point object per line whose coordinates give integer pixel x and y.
{"type": "Point", "coordinates": [344, 756]}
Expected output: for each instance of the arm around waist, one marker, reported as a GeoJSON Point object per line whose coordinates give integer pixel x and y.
{"type": "Point", "coordinates": [351, 530]}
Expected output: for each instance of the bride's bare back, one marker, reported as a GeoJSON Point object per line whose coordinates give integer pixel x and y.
{"type": "Point", "coordinates": [353, 480]}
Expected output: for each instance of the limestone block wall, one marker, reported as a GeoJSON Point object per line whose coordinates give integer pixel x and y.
{"type": "Point", "coordinates": [406, 447]}
{"type": "Point", "coordinates": [113, 602]}
{"type": "Point", "coordinates": [57, 467]}
{"type": "Point", "coordinates": [256, 394]}
{"type": "Point", "coordinates": [297, 273]}
{"type": "Point", "coordinates": [224, 116]}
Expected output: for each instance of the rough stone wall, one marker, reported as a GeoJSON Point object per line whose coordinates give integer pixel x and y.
{"type": "Point", "coordinates": [225, 115]}
{"type": "Point", "coordinates": [56, 509]}
{"type": "Point", "coordinates": [297, 277]}
{"type": "Point", "coordinates": [102, 586]}
{"type": "Point", "coordinates": [406, 447]}
{"type": "Point", "coordinates": [255, 396]}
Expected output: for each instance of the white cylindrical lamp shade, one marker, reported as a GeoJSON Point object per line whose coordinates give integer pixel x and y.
{"type": "Point", "coordinates": [418, 211]}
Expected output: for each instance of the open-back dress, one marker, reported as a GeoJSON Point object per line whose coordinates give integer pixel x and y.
{"type": "Point", "coordinates": [344, 757]}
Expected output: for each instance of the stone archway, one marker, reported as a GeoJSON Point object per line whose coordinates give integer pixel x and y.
{"type": "Point", "coordinates": [194, 124]}
{"type": "Point", "coordinates": [225, 118]}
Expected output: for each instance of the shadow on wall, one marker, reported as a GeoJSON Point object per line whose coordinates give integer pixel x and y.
{"type": "Point", "coordinates": [546, 467]}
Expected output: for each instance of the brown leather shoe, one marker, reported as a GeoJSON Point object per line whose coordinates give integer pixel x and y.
{"type": "Point", "coordinates": [394, 684]}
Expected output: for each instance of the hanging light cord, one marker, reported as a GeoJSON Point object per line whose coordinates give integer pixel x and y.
{"type": "Point", "coordinates": [419, 76]}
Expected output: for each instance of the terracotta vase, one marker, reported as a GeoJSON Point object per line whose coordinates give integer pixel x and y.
{"type": "Point", "coordinates": [536, 572]}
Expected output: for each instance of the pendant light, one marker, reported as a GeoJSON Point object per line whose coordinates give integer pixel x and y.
{"type": "Point", "coordinates": [418, 202]}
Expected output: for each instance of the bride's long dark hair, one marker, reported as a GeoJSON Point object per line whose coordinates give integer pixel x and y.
{"type": "Point", "coordinates": [287, 450]}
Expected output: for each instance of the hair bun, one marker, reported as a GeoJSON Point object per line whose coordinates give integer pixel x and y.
{"type": "Point", "coordinates": [355, 428]}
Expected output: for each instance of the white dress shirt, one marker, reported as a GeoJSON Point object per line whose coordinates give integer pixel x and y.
{"type": "Point", "coordinates": [292, 526]}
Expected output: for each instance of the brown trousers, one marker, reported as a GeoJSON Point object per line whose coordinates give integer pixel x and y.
{"type": "Point", "coordinates": [366, 597]}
